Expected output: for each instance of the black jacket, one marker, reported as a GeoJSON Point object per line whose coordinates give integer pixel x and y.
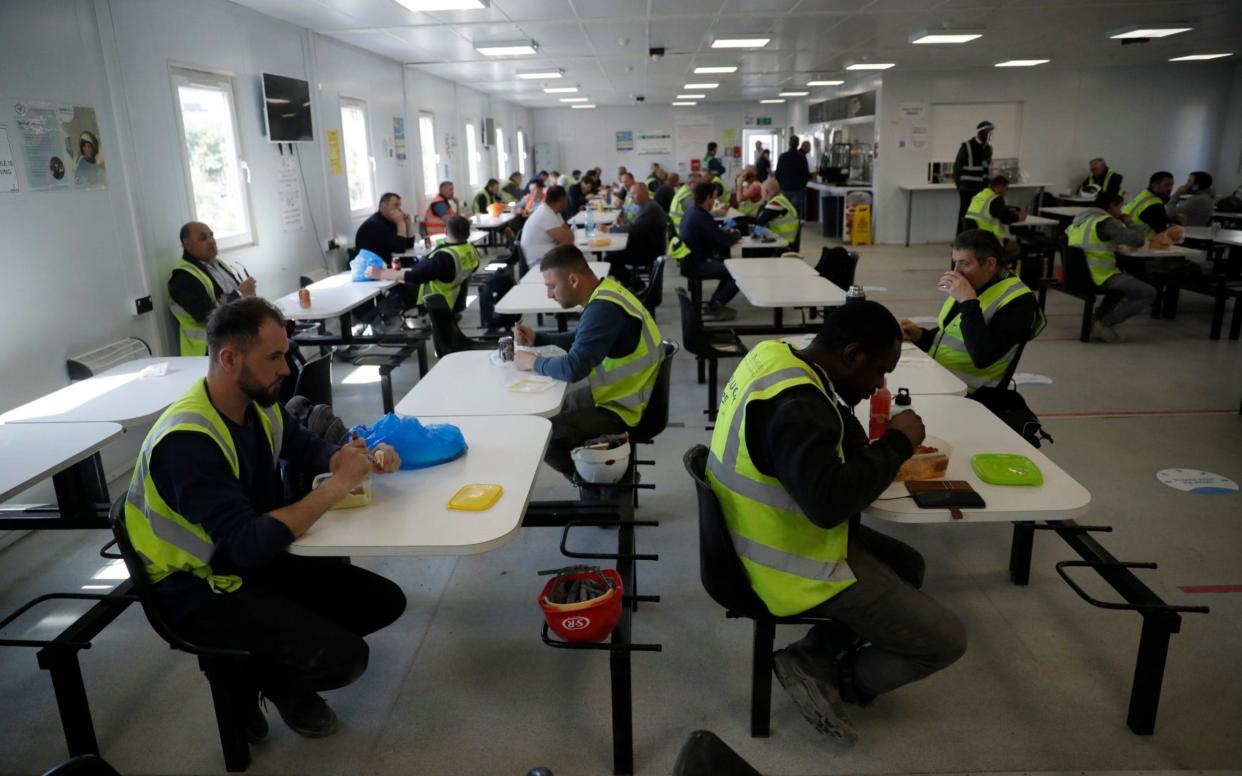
{"type": "Point", "coordinates": [986, 341]}
{"type": "Point", "coordinates": [647, 233]}
{"type": "Point", "coordinates": [973, 160]}
{"type": "Point", "coordinates": [187, 292]}
{"type": "Point", "coordinates": [791, 171]}
{"type": "Point", "coordinates": [379, 235]}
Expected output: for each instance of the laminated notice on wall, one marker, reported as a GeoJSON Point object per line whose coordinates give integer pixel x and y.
{"type": "Point", "coordinates": [334, 152]}
{"type": "Point", "coordinates": [8, 172]}
{"type": "Point", "coordinates": [60, 146]}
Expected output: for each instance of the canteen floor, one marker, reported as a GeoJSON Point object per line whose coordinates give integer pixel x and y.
{"type": "Point", "coordinates": [462, 685]}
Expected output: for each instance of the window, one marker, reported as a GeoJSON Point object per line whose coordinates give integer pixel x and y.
{"type": "Point", "coordinates": [521, 153]}
{"type": "Point", "coordinates": [213, 155]}
{"type": "Point", "coordinates": [472, 154]}
{"type": "Point", "coordinates": [359, 166]}
{"type": "Point", "coordinates": [502, 158]}
{"type": "Point", "coordinates": [427, 147]}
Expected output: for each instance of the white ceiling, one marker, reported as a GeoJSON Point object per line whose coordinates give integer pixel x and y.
{"type": "Point", "coordinates": [810, 39]}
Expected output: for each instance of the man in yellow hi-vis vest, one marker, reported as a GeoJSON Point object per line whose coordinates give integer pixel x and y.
{"type": "Point", "coordinates": [793, 469]}
{"type": "Point", "coordinates": [616, 348]}
{"type": "Point", "coordinates": [199, 283]}
{"type": "Point", "coordinates": [206, 509]}
{"type": "Point", "coordinates": [987, 316]}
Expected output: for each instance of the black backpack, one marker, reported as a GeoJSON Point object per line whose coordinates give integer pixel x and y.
{"type": "Point", "coordinates": [1009, 406]}
{"type": "Point", "coordinates": [493, 290]}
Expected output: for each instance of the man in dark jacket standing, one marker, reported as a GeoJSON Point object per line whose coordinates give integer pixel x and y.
{"type": "Point", "coordinates": [792, 174]}
{"type": "Point", "coordinates": [970, 170]}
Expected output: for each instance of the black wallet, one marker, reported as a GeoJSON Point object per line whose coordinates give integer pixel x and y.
{"type": "Point", "coordinates": [941, 494]}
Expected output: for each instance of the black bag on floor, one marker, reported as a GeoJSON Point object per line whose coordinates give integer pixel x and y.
{"type": "Point", "coordinates": [1010, 407]}
{"type": "Point", "coordinates": [493, 290]}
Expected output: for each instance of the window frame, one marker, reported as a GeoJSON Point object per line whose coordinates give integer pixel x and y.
{"type": "Point", "coordinates": [355, 102]}
{"type": "Point", "coordinates": [186, 75]}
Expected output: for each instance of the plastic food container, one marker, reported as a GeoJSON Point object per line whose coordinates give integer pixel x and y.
{"type": "Point", "coordinates": [588, 621]}
{"type": "Point", "coordinates": [929, 462]}
{"type": "Point", "coordinates": [360, 496]}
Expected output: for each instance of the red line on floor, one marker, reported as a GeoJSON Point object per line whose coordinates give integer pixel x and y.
{"type": "Point", "coordinates": [1135, 413]}
{"type": "Point", "coordinates": [1210, 588]}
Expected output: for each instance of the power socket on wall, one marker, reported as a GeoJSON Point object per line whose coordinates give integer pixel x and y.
{"type": "Point", "coordinates": [143, 305]}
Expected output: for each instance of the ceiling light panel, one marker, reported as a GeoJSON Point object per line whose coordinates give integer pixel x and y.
{"type": "Point", "coordinates": [705, 70]}
{"type": "Point", "coordinates": [561, 90]}
{"type": "Point", "coordinates": [1135, 31]}
{"type": "Point", "coordinates": [684, 104]}
{"type": "Point", "coordinates": [578, 107]}
{"type": "Point", "coordinates": [794, 94]}
{"type": "Point", "coordinates": [1022, 62]}
{"type": "Point", "coordinates": [700, 86]}
{"type": "Point", "coordinates": [871, 66]}
{"type": "Point", "coordinates": [507, 48]}
{"type": "Point", "coordinates": [540, 75]}
{"type": "Point", "coordinates": [741, 41]}
{"type": "Point", "coordinates": [1200, 57]}
{"type": "Point", "coordinates": [770, 102]}
{"type": "Point", "coordinates": [444, 5]}
{"type": "Point", "coordinates": [945, 36]}
{"type": "Point", "coordinates": [691, 96]}
{"type": "Point", "coordinates": [824, 83]}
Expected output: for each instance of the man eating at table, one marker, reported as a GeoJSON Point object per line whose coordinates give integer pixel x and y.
{"type": "Point", "coordinates": [616, 348]}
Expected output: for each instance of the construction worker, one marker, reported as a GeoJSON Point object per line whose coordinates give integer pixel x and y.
{"type": "Point", "coordinates": [445, 271]}
{"type": "Point", "coordinates": [1098, 231]}
{"type": "Point", "coordinates": [441, 208]}
{"type": "Point", "coordinates": [988, 211]}
{"type": "Point", "coordinates": [198, 284]}
{"type": "Point", "coordinates": [970, 169]}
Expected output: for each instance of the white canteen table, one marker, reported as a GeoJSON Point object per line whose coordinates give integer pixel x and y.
{"type": "Point", "coordinates": [468, 383]}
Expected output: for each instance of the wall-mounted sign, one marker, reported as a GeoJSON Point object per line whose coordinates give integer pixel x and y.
{"type": "Point", "coordinates": [60, 146]}
{"type": "Point", "coordinates": [625, 140]}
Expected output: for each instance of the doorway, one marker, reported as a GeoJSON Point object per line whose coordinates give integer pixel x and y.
{"type": "Point", "coordinates": [767, 136]}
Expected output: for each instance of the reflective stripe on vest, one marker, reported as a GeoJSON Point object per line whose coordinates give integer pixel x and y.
{"type": "Point", "coordinates": [677, 250]}
{"type": "Point", "coordinates": [465, 262]}
{"type": "Point", "coordinates": [1139, 205]}
{"type": "Point", "coordinates": [193, 335]}
{"type": "Point", "coordinates": [793, 564]}
{"type": "Point", "coordinates": [1101, 260]}
{"type": "Point", "coordinates": [166, 540]}
{"type": "Point", "coordinates": [749, 208]}
{"type": "Point", "coordinates": [623, 385]}
{"type": "Point", "coordinates": [436, 224]}
{"type": "Point", "coordinates": [784, 226]}
{"type": "Point", "coordinates": [980, 212]}
{"type": "Point", "coordinates": [971, 172]}
{"type": "Point", "coordinates": [950, 348]}
{"type": "Point", "coordinates": [677, 208]}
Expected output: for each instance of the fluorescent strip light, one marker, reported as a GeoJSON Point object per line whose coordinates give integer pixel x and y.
{"type": "Point", "coordinates": [444, 5]}
{"type": "Point", "coordinates": [507, 48]}
{"type": "Point", "coordinates": [575, 99]}
{"type": "Point", "coordinates": [685, 103]}
{"type": "Point", "coordinates": [540, 75]}
{"type": "Point", "coordinates": [794, 94]}
{"type": "Point", "coordinates": [770, 102]}
{"type": "Point", "coordinates": [576, 107]}
{"type": "Point", "coordinates": [704, 70]}
{"type": "Point", "coordinates": [561, 90]}
{"type": "Point", "coordinates": [691, 96]}
{"type": "Point", "coordinates": [944, 36]}
{"type": "Point", "coordinates": [871, 66]}
{"type": "Point", "coordinates": [750, 42]}
{"type": "Point", "coordinates": [700, 86]}
{"type": "Point", "coordinates": [824, 83]}
{"type": "Point", "coordinates": [1022, 62]}
{"type": "Point", "coordinates": [1200, 57]}
{"type": "Point", "coordinates": [1134, 31]}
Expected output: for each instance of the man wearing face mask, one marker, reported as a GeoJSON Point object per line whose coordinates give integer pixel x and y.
{"type": "Point", "coordinates": [988, 314]}
{"type": "Point", "coordinates": [793, 470]}
{"type": "Point", "coordinates": [970, 169]}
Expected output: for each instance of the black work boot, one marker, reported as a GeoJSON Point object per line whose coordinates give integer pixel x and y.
{"type": "Point", "coordinates": [815, 694]}
{"type": "Point", "coordinates": [305, 713]}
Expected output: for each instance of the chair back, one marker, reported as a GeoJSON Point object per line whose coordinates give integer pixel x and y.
{"type": "Point", "coordinates": [655, 416]}
{"type": "Point", "coordinates": [837, 266]}
{"type": "Point", "coordinates": [653, 294]}
{"type": "Point", "coordinates": [446, 335]}
{"type": "Point", "coordinates": [142, 588]}
{"type": "Point", "coordinates": [704, 754]}
{"type": "Point", "coordinates": [720, 569]}
{"type": "Point", "coordinates": [315, 380]}
{"type": "Point", "coordinates": [1077, 274]}
{"type": "Point", "coordinates": [692, 332]}
{"type": "Point", "coordinates": [83, 765]}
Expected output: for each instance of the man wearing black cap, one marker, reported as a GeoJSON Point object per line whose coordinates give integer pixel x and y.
{"type": "Point", "coordinates": [970, 169]}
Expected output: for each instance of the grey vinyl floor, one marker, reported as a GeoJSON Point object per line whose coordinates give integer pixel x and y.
{"type": "Point", "coordinates": [462, 685]}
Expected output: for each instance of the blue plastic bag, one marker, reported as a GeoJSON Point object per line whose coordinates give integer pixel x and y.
{"type": "Point", "coordinates": [419, 446]}
{"type": "Point", "coordinates": [729, 223]}
{"type": "Point", "coordinates": [364, 260]}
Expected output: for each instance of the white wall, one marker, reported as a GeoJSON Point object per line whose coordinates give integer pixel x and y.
{"type": "Point", "coordinates": [587, 138]}
{"type": "Point", "coordinates": [1141, 121]}
{"type": "Point", "coordinates": [1228, 169]}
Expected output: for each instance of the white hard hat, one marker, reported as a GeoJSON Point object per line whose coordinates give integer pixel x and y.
{"type": "Point", "coordinates": [601, 466]}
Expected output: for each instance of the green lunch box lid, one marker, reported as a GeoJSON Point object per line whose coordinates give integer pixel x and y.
{"type": "Point", "coordinates": [1006, 469]}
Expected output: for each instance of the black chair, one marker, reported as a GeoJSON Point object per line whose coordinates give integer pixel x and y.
{"type": "Point", "coordinates": [724, 578]}
{"type": "Point", "coordinates": [704, 754]}
{"type": "Point", "coordinates": [84, 765]}
{"type": "Point", "coordinates": [707, 345]}
{"type": "Point", "coordinates": [653, 293]}
{"type": "Point", "coordinates": [446, 335]}
{"type": "Point", "coordinates": [655, 416]}
{"type": "Point", "coordinates": [314, 380]}
{"type": "Point", "coordinates": [837, 266]}
{"type": "Point", "coordinates": [225, 668]}
{"type": "Point", "coordinates": [1077, 282]}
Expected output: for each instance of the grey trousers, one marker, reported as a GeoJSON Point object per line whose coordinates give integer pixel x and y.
{"type": "Point", "coordinates": [578, 421]}
{"type": "Point", "coordinates": [910, 635]}
{"type": "Point", "coordinates": [1125, 296]}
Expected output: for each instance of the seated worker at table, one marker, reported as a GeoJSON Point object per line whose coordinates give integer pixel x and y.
{"type": "Point", "coordinates": [512, 191]}
{"type": "Point", "coordinates": [1099, 230]}
{"type": "Point", "coordinates": [779, 214]}
{"type": "Point", "coordinates": [486, 196]}
{"type": "Point", "coordinates": [622, 191]}
{"type": "Point", "coordinates": [1193, 202]}
{"type": "Point", "coordinates": [668, 189]}
{"type": "Point", "coordinates": [443, 272]}
{"type": "Point", "coordinates": [578, 195]}
{"type": "Point", "coordinates": [198, 284]}
{"type": "Point", "coordinates": [546, 229]}
{"type": "Point", "coordinates": [207, 511]}
{"type": "Point", "coordinates": [988, 211]}
{"type": "Point", "coordinates": [532, 199]}
{"type": "Point", "coordinates": [793, 469]}
{"type": "Point", "coordinates": [647, 230]}
{"type": "Point", "coordinates": [1103, 178]}
{"type": "Point", "coordinates": [989, 313]}
{"type": "Point", "coordinates": [615, 348]}
{"type": "Point", "coordinates": [1147, 210]}
{"type": "Point", "coordinates": [443, 206]}
{"type": "Point", "coordinates": [682, 199]}
{"type": "Point", "coordinates": [707, 243]}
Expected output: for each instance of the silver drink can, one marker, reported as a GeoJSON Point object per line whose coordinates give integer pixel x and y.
{"type": "Point", "coordinates": [505, 347]}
